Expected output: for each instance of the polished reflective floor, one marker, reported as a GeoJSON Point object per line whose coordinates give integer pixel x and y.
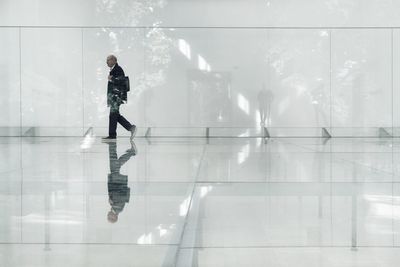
{"type": "Point", "coordinates": [200, 202]}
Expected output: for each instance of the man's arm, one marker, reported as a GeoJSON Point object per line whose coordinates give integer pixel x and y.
{"type": "Point", "coordinates": [117, 76]}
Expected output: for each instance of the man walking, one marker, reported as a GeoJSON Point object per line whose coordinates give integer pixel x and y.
{"type": "Point", "coordinates": [116, 94]}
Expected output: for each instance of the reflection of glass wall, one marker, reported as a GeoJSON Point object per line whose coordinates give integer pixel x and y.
{"type": "Point", "coordinates": [54, 82]}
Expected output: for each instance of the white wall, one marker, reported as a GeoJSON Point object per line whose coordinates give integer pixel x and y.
{"type": "Point", "coordinates": [211, 64]}
{"type": "Point", "coordinates": [223, 13]}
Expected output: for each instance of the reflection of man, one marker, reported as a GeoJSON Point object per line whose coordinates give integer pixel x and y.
{"type": "Point", "coordinates": [116, 95]}
{"type": "Point", "coordinates": [118, 190]}
{"type": "Point", "coordinates": [265, 98]}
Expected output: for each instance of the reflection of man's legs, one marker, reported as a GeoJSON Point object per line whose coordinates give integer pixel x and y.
{"type": "Point", "coordinates": [112, 153]}
{"type": "Point", "coordinates": [262, 116]}
{"type": "Point", "coordinates": [115, 162]}
{"type": "Point", "coordinates": [268, 116]}
{"type": "Point", "coordinates": [112, 215]}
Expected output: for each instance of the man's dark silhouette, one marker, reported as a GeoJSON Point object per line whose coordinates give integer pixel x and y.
{"type": "Point", "coordinates": [116, 95]}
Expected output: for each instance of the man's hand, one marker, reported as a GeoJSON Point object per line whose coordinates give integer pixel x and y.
{"type": "Point", "coordinates": [109, 77]}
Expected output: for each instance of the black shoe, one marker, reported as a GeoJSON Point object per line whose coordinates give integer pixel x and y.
{"type": "Point", "coordinates": [109, 139]}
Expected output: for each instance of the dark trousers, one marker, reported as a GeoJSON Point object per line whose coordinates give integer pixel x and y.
{"type": "Point", "coordinates": [114, 118]}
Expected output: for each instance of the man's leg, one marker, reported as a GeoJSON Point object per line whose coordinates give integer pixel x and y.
{"type": "Point", "coordinates": [127, 125]}
{"type": "Point", "coordinates": [113, 119]}
{"type": "Point", "coordinates": [124, 122]}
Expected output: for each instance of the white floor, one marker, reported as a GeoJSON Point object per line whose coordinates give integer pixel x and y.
{"type": "Point", "coordinates": [198, 202]}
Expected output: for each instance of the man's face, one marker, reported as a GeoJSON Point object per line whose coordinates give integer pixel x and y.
{"type": "Point", "coordinates": [110, 62]}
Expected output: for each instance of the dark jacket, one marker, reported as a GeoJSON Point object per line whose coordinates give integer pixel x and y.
{"type": "Point", "coordinates": [116, 92]}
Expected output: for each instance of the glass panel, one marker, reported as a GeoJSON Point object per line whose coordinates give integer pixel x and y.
{"type": "Point", "coordinates": [10, 82]}
{"type": "Point", "coordinates": [52, 81]}
{"type": "Point", "coordinates": [361, 78]}
{"type": "Point", "coordinates": [298, 78]}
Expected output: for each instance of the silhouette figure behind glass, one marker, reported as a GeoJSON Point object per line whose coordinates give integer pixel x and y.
{"type": "Point", "coordinates": [265, 98]}
{"type": "Point", "coordinates": [118, 190]}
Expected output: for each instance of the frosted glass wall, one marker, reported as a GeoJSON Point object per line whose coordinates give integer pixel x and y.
{"type": "Point", "coordinates": [10, 107]}
{"type": "Point", "coordinates": [204, 13]}
{"type": "Point", "coordinates": [290, 65]}
{"type": "Point", "coordinates": [51, 76]}
{"type": "Point", "coordinates": [55, 78]}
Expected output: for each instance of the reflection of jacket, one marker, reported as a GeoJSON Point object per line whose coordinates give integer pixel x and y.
{"type": "Point", "coordinates": [118, 191]}
{"type": "Point", "coordinates": [116, 91]}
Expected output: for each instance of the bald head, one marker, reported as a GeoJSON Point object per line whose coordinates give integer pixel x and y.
{"type": "Point", "coordinates": [111, 60]}
{"type": "Point", "coordinates": [112, 217]}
